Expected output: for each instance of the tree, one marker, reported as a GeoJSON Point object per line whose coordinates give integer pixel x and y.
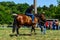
{"type": "Point", "coordinates": [39, 9]}
{"type": "Point", "coordinates": [58, 2]}
{"type": "Point", "coordinates": [45, 7]}
{"type": "Point", "coordinates": [22, 7]}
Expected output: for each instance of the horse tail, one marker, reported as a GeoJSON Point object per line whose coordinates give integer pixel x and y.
{"type": "Point", "coordinates": [14, 24]}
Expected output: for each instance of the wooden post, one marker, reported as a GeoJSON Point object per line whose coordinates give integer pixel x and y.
{"type": "Point", "coordinates": [35, 7]}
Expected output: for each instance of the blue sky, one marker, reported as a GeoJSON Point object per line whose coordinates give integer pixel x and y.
{"type": "Point", "coordinates": [39, 2]}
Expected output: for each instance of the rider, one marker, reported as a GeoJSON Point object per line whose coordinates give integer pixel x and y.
{"type": "Point", "coordinates": [28, 12]}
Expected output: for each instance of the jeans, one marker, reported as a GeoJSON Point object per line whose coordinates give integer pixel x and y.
{"type": "Point", "coordinates": [31, 15]}
{"type": "Point", "coordinates": [43, 29]}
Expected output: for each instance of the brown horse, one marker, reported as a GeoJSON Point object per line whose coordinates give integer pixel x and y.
{"type": "Point", "coordinates": [23, 20]}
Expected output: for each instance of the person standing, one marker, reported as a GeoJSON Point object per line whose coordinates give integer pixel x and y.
{"type": "Point", "coordinates": [42, 22]}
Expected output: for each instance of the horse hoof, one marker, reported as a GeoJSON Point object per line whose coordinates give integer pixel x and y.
{"type": "Point", "coordinates": [34, 33]}
{"type": "Point", "coordinates": [30, 34]}
{"type": "Point", "coordinates": [11, 35]}
{"type": "Point", "coordinates": [17, 35]}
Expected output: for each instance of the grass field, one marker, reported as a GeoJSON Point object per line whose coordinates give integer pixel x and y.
{"type": "Point", "coordinates": [50, 34]}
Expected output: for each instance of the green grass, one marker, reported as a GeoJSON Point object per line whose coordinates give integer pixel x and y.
{"type": "Point", "coordinates": [50, 34]}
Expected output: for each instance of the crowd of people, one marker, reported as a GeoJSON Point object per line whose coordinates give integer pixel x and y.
{"type": "Point", "coordinates": [52, 25]}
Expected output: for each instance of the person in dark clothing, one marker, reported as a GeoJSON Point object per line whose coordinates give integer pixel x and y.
{"type": "Point", "coordinates": [28, 12]}
{"type": "Point", "coordinates": [42, 21]}
{"type": "Point", "coordinates": [56, 22]}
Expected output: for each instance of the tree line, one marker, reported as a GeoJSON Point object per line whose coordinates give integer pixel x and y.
{"type": "Point", "coordinates": [8, 8]}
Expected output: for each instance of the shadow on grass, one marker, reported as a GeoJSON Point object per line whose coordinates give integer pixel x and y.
{"type": "Point", "coordinates": [11, 35]}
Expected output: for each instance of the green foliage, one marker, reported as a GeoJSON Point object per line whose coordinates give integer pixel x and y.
{"type": "Point", "coordinates": [8, 8]}
{"type": "Point", "coordinates": [22, 7]}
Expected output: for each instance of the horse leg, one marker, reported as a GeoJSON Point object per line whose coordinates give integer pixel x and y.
{"type": "Point", "coordinates": [33, 29]}
{"type": "Point", "coordinates": [17, 30]}
{"type": "Point", "coordinates": [13, 28]}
